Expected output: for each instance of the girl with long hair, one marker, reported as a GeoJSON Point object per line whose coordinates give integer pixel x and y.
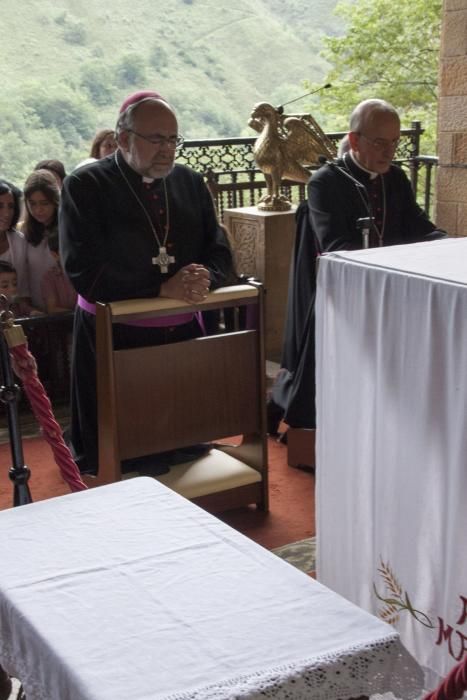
{"type": "Point", "coordinates": [42, 196]}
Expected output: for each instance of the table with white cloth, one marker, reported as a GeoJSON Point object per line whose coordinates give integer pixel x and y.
{"type": "Point", "coordinates": [391, 399]}
{"type": "Point", "coordinates": [131, 591]}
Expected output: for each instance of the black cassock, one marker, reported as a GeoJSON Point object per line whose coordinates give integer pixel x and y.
{"type": "Point", "coordinates": [107, 247]}
{"type": "Point", "coordinates": [294, 387]}
{"type": "Point", "coordinates": [327, 222]}
{"type": "Point", "coordinates": [336, 203]}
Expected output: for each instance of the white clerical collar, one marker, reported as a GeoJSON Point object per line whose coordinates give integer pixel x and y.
{"type": "Point", "coordinates": [148, 180]}
{"type": "Point", "coordinates": [359, 165]}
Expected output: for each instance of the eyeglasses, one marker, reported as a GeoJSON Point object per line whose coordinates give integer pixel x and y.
{"type": "Point", "coordinates": [381, 144]}
{"type": "Point", "coordinates": [173, 142]}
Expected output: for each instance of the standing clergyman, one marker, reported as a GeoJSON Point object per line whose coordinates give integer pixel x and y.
{"type": "Point", "coordinates": [363, 183]}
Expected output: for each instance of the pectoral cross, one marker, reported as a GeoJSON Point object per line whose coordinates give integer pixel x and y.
{"type": "Point", "coordinates": [163, 260]}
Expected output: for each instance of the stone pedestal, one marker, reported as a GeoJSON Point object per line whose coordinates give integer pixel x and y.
{"type": "Point", "coordinates": [301, 447]}
{"type": "Point", "coordinates": [262, 243]}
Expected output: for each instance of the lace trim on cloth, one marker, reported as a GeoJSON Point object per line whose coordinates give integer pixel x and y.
{"type": "Point", "coordinates": [382, 667]}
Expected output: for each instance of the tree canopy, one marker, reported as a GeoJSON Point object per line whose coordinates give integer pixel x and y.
{"type": "Point", "coordinates": [68, 65]}
{"type": "Point", "coordinates": [390, 50]}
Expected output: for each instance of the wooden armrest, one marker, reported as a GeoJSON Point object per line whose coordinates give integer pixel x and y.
{"type": "Point", "coordinates": [237, 295]}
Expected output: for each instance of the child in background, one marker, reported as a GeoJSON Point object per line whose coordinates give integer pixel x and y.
{"type": "Point", "coordinates": [59, 296]}
{"type": "Point", "coordinates": [8, 287]}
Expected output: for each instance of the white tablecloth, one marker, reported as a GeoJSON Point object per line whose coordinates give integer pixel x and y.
{"type": "Point", "coordinates": [392, 440]}
{"type": "Point", "coordinates": [131, 591]}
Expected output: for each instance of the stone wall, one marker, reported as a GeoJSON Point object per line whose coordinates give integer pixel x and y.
{"type": "Point", "coordinates": [451, 200]}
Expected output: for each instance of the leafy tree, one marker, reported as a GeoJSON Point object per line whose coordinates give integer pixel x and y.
{"type": "Point", "coordinates": [131, 70]}
{"type": "Point", "coordinates": [61, 108]}
{"type": "Point", "coordinates": [24, 141]}
{"type": "Point", "coordinates": [188, 58]}
{"type": "Point", "coordinates": [97, 80]}
{"type": "Point", "coordinates": [390, 50]}
{"type": "Point", "coordinates": [75, 33]}
{"type": "Point", "coordinates": [215, 121]}
{"type": "Point", "coordinates": [158, 58]}
{"type": "Point", "coordinates": [61, 19]}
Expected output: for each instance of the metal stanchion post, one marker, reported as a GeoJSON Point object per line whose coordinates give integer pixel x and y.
{"type": "Point", "coordinates": [9, 392]}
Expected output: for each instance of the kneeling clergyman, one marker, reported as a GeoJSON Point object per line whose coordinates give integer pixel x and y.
{"type": "Point", "coordinates": [132, 225]}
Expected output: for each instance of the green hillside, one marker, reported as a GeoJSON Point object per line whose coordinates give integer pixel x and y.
{"type": "Point", "coordinates": [69, 63]}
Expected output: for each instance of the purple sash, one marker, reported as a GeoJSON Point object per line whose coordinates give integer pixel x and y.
{"type": "Point", "coordinates": [162, 322]}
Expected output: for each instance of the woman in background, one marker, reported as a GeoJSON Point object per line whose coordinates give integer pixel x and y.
{"type": "Point", "coordinates": [42, 198]}
{"type": "Point", "coordinates": [56, 167]}
{"type": "Point", "coordinates": [104, 144]}
{"type": "Point", "coordinates": [13, 245]}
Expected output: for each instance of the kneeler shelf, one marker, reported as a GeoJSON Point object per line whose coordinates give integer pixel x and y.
{"type": "Point", "coordinates": [211, 388]}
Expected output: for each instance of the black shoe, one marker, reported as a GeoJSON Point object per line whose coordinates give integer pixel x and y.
{"type": "Point", "coordinates": [274, 415]}
{"type": "Point", "coordinates": [148, 465]}
{"type": "Point", "coordinates": [189, 454]}
{"type": "Point", "coordinates": [303, 468]}
{"type": "Point", "coordinates": [160, 463]}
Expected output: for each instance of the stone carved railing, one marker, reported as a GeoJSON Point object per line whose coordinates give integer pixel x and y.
{"type": "Point", "coordinates": [234, 180]}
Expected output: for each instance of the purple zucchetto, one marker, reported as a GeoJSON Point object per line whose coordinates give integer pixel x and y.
{"type": "Point", "coordinates": [138, 96]}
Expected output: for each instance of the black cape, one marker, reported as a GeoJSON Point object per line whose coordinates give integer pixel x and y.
{"type": "Point", "coordinates": [294, 387]}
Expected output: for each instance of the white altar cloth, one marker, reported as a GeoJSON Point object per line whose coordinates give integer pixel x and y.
{"type": "Point", "coordinates": [129, 590]}
{"type": "Point", "coordinates": [391, 330]}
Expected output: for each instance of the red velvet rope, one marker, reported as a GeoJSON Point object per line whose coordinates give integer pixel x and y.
{"type": "Point", "coordinates": [25, 367]}
{"type": "Point", "coordinates": [454, 685]}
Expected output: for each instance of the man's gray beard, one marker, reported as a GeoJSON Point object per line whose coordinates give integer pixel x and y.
{"type": "Point", "coordinates": [147, 172]}
{"type": "Point", "coordinates": [157, 174]}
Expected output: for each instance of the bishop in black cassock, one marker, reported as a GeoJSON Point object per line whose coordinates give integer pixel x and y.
{"type": "Point", "coordinates": [363, 183]}
{"type": "Point", "coordinates": [112, 226]}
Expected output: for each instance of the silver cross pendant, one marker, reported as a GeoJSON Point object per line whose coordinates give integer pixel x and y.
{"type": "Point", "coordinates": [163, 260]}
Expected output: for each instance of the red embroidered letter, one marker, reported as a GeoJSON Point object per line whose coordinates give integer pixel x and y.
{"type": "Point", "coordinates": [463, 616]}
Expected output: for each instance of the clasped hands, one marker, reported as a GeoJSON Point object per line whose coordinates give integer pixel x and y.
{"type": "Point", "coordinates": [191, 284]}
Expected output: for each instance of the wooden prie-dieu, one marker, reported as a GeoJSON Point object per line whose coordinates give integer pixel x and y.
{"type": "Point", "coordinates": [166, 397]}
